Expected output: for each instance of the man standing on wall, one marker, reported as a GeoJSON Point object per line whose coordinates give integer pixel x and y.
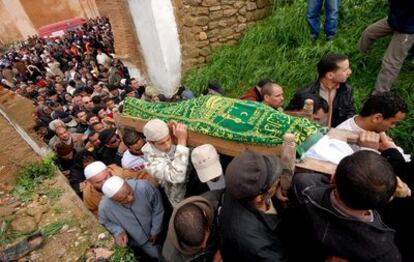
{"type": "Point", "coordinates": [313, 14]}
{"type": "Point", "coordinates": [399, 23]}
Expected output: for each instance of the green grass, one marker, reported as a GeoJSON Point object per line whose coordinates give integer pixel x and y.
{"type": "Point", "coordinates": [31, 176]}
{"type": "Point", "coordinates": [52, 193]}
{"type": "Point", "coordinates": [279, 47]}
{"type": "Point", "coordinates": [52, 229]}
{"type": "Point", "coordinates": [122, 255]}
{"type": "Point", "coordinates": [8, 234]}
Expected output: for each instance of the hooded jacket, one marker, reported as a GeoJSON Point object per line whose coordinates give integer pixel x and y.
{"type": "Point", "coordinates": [176, 251]}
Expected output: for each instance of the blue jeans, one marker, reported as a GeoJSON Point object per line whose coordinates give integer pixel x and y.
{"type": "Point", "coordinates": [313, 13]}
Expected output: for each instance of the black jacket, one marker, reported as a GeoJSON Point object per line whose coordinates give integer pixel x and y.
{"type": "Point", "coordinates": [399, 213]}
{"type": "Point", "coordinates": [334, 234]}
{"type": "Point", "coordinates": [401, 16]}
{"type": "Point", "coordinates": [108, 155]}
{"type": "Point", "coordinates": [343, 104]}
{"type": "Point", "coordinates": [247, 234]}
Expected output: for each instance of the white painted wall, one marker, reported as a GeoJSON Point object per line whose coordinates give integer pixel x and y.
{"type": "Point", "coordinates": [156, 28]}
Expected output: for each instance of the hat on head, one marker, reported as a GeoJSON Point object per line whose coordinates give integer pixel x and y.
{"type": "Point", "coordinates": [94, 168]}
{"type": "Point", "coordinates": [150, 91]}
{"type": "Point", "coordinates": [106, 134]}
{"type": "Point", "coordinates": [66, 118]}
{"type": "Point", "coordinates": [112, 186]}
{"type": "Point", "coordinates": [250, 173]}
{"type": "Point", "coordinates": [155, 129]}
{"type": "Point", "coordinates": [215, 86]}
{"type": "Point", "coordinates": [206, 162]}
{"type": "Point", "coordinates": [187, 94]}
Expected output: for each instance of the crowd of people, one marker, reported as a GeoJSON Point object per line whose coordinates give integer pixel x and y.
{"type": "Point", "coordinates": [170, 202]}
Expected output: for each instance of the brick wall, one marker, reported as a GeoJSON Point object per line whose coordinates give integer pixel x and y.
{"type": "Point", "coordinates": [204, 25]}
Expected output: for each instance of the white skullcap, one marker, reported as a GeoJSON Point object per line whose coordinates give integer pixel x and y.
{"type": "Point", "coordinates": [112, 186]}
{"type": "Point", "coordinates": [155, 129]}
{"type": "Point", "coordinates": [94, 168]}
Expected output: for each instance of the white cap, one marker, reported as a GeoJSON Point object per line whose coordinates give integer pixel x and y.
{"type": "Point", "coordinates": [206, 162]}
{"type": "Point", "coordinates": [112, 186]}
{"type": "Point", "coordinates": [94, 168]}
{"type": "Point", "coordinates": [155, 130]}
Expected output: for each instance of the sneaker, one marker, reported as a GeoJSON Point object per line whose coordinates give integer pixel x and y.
{"type": "Point", "coordinates": [330, 37]}
{"type": "Point", "coordinates": [314, 37]}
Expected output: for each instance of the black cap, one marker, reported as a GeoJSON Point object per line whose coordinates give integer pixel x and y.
{"type": "Point", "coordinates": [250, 173]}
{"type": "Point", "coordinates": [215, 86]}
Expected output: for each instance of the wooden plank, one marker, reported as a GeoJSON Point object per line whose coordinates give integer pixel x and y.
{"type": "Point", "coordinates": [350, 137]}
{"type": "Point", "coordinates": [222, 146]}
{"type": "Point", "coordinates": [231, 148]}
{"type": "Point", "coordinates": [314, 165]}
{"type": "Point", "coordinates": [324, 166]}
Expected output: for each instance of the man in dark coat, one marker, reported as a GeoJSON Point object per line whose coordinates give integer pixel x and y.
{"type": "Point", "coordinates": [248, 219]}
{"type": "Point", "coordinates": [333, 70]}
{"type": "Point", "coordinates": [339, 219]}
{"type": "Point", "coordinates": [111, 149]}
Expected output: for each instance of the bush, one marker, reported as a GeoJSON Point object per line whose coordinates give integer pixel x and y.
{"type": "Point", "coordinates": [31, 176]}
{"type": "Point", "coordinates": [280, 48]}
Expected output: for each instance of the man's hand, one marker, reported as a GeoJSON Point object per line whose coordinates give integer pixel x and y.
{"type": "Point", "coordinates": [153, 239]}
{"type": "Point", "coordinates": [402, 189]}
{"type": "Point", "coordinates": [217, 257]}
{"type": "Point", "coordinates": [385, 142]}
{"type": "Point", "coordinates": [122, 239]}
{"type": "Point", "coordinates": [82, 186]}
{"type": "Point", "coordinates": [335, 259]}
{"type": "Point", "coordinates": [66, 173]}
{"type": "Point", "coordinates": [122, 147]}
{"type": "Point", "coordinates": [280, 195]}
{"type": "Point", "coordinates": [180, 132]}
{"type": "Point", "coordinates": [369, 139]}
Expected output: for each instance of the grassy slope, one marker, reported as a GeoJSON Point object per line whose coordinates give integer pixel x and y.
{"type": "Point", "coordinates": [280, 48]}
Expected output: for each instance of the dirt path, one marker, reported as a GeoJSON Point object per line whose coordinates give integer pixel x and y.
{"type": "Point", "coordinates": [54, 206]}
{"type": "Point", "coordinates": [14, 153]}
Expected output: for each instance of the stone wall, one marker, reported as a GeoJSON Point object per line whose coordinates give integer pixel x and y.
{"type": "Point", "coordinates": [202, 25]}
{"type": "Point", "coordinates": [205, 25]}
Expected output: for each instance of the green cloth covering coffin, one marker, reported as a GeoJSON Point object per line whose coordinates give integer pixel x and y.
{"type": "Point", "coordinates": [230, 119]}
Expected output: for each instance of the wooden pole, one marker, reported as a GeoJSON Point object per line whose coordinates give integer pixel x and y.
{"type": "Point", "coordinates": [308, 109]}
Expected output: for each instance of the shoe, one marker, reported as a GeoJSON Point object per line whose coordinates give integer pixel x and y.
{"type": "Point", "coordinates": [330, 37]}
{"type": "Point", "coordinates": [314, 37]}
{"type": "Point", "coordinates": [22, 248]}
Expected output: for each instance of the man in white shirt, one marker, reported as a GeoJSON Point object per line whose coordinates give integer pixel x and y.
{"type": "Point", "coordinates": [166, 161]}
{"type": "Point", "coordinates": [133, 157]}
{"type": "Point", "coordinates": [102, 58]}
{"type": "Point", "coordinates": [379, 113]}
